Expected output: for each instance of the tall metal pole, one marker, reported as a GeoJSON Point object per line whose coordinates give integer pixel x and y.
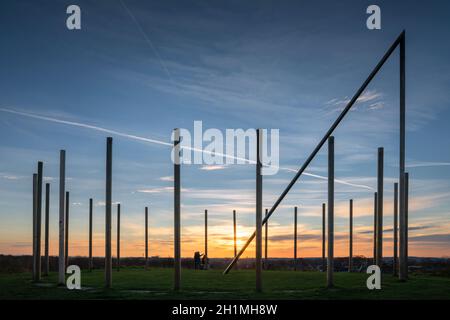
{"type": "Point", "coordinates": [108, 218]}
{"type": "Point", "coordinates": [258, 256]}
{"type": "Point", "coordinates": [146, 237]}
{"type": "Point", "coordinates": [234, 233]}
{"type": "Point", "coordinates": [321, 143]}
{"type": "Point", "coordinates": [47, 223]}
{"type": "Point", "coordinates": [206, 239]}
{"type": "Point", "coordinates": [118, 237]}
{"type": "Point", "coordinates": [38, 220]}
{"type": "Point", "coordinates": [90, 235]}
{"type": "Point", "coordinates": [406, 220]}
{"type": "Point", "coordinates": [375, 204]}
{"type": "Point", "coordinates": [403, 268]}
{"type": "Point", "coordinates": [67, 230]}
{"type": "Point", "coordinates": [34, 274]}
{"type": "Point", "coordinates": [350, 255]}
{"type": "Point", "coordinates": [266, 237]}
{"type": "Point", "coordinates": [295, 238]}
{"type": "Point", "coordinates": [62, 188]}
{"type": "Point", "coordinates": [380, 177]}
{"type": "Point", "coordinates": [330, 258]}
{"type": "Point", "coordinates": [395, 229]}
{"type": "Point", "coordinates": [177, 210]}
{"type": "Point", "coordinates": [324, 263]}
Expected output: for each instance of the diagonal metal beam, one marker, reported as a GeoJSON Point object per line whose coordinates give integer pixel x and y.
{"type": "Point", "coordinates": [321, 143]}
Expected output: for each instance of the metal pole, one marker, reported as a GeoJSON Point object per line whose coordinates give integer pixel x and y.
{"type": "Point", "coordinates": [375, 204]}
{"type": "Point", "coordinates": [403, 268]}
{"type": "Point", "coordinates": [62, 187]}
{"type": "Point", "coordinates": [406, 220]}
{"type": "Point", "coordinates": [47, 223]}
{"type": "Point", "coordinates": [34, 274]}
{"type": "Point", "coordinates": [258, 256]}
{"type": "Point", "coordinates": [146, 237]}
{"type": "Point", "coordinates": [90, 235]}
{"type": "Point", "coordinates": [234, 234]}
{"type": "Point", "coordinates": [324, 263]}
{"type": "Point", "coordinates": [118, 237]}
{"type": "Point", "coordinates": [266, 234]}
{"type": "Point", "coordinates": [321, 143]}
{"type": "Point", "coordinates": [350, 255]}
{"type": "Point", "coordinates": [108, 218]}
{"type": "Point", "coordinates": [394, 262]}
{"type": "Point", "coordinates": [38, 220]}
{"type": "Point", "coordinates": [177, 211]}
{"type": "Point", "coordinates": [295, 238]}
{"type": "Point", "coordinates": [206, 239]}
{"type": "Point", "coordinates": [330, 262]}
{"type": "Point", "coordinates": [67, 230]}
{"type": "Point", "coordinates": [380, 177]}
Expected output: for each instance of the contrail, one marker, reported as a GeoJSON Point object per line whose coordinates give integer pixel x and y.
{"type": "Point", "coordinates": [148, 41]}
{"type": "Point", "coordinates": [159, 142]}
{"type": "Point", "coordinates": [87, 126]}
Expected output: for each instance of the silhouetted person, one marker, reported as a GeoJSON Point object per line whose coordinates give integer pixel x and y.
{"type": "Point", "coordinates": [205, 262]}
{"type": "Point", "coordinates": [196, 260]}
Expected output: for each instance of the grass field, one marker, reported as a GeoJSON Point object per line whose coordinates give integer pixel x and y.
{"type": "Point", "coordinates": [137, 283]}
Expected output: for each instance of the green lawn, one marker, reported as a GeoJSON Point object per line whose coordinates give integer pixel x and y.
{"type": "Point", "coordinates": [137, 283]}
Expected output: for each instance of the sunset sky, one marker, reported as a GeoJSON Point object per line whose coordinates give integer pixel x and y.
{"type": "Point", "coordinates": [141, 69]}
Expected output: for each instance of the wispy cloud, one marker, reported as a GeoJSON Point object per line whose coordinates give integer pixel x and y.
{"type": "Point", "coordinates": [213, 167]}
{"type": "Point", "coordinates": [427, 164]}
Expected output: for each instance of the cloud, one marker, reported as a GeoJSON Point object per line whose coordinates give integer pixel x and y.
{"type": "Point", "coordinates": [391, 229]}
{"type": "Point", "coordinates": [159, 190]}
{"type": "Point", "coordinates": [365, 97]}
{"type": "Point", "coordinates": [213, 167]}
{"type": "Point", "coordinates": [427, 164]}
{"type": "Point", "coordinates": [10, 177]}
{"type": "Point", "coordinates": [102, 203]}
{"type": "Point", "coordinates": [166, 178]}
{"type": "Point", "coordinates": [432, 238]}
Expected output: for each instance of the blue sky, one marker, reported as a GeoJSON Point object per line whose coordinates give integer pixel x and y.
{"type": "Point", "coordinates": [144, 68]}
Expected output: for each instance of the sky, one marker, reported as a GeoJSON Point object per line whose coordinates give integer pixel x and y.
{"type": "Point", "coordinates": [137, 69]}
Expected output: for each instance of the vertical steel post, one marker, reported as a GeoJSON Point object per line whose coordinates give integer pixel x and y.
{"type": "Point", "coordinates": [118, 237]}
{"type": "Point", "coordinates": [62, 188]}
{"type": "Point", "coordinates": [266, 234]}
{"type": "Point", "coordinates": [350, 255]}
{"type": "Point", "coordinates": [380, 178]}
{"type": "Point", "coordinates": [177, 210]}
{"type": "Point", "coordinates": [330, 258]}
{"type": "Point", "coordinates": [67, 229]}
{"type": "Point", "coordinates": [258, 255]}
{"type": "Point", "coordinates": [47, 224]}
{"type": "Point", "coordinates": [34, 273]}
{"type": "Point", "coordinates": [234, 233]}
{"type": "Point", "coordinates": [206, 238]}
{"type": "Point", "coordinates": [375, 204]}
{"type": "Point", "coordinates": [395, 229]}
{"type": "Point", "coordinates": [403, 269]}
{"type": "Point", "coordinates": [90, 235]}
{"type": "Point", "coordinates": [108, 216]}
{"type": "Point", "coordinates": [295, 238]}
{"type": "Point", "coordinates": [38, 220]}
{"type": "Point", "coordinates": [324, 263]}
{"type": "Point", "coordinates": [406, 221]}
{"type": "Point", "coordinates": [146, 237]}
